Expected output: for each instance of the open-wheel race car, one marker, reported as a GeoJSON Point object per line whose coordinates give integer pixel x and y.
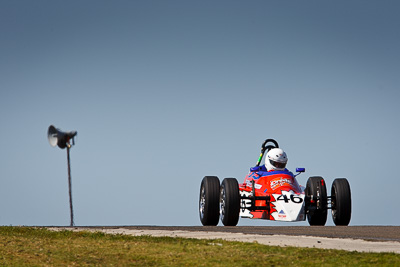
{"type": "Point", "coordinates": [273, 195]}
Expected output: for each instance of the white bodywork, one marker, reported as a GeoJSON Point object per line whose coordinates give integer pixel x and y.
{"type": "Point", "coordinates": [289, 206]}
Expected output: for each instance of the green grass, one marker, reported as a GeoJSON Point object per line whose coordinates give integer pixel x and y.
{"type": "Point", "coordinates": [27, 246]}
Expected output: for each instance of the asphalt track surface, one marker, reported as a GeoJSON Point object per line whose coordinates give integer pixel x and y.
{"type": "Point", "coordinates": [369, 233]}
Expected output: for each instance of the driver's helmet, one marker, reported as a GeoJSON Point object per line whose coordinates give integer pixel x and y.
{"type": "Point", "coordinates": [276, 159]}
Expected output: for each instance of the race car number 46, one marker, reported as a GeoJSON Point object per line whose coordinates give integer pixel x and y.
{"type": "Point", "coordinates": [293, 198]}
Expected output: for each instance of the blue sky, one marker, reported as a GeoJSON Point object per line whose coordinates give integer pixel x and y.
{"type": "Point", "coordinates": [163, 93]}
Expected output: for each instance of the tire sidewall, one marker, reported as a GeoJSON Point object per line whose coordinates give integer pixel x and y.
{"type": "Point", "coordinates": [229, 202]}
{"type": "Point", "coordinates": [209, 198]}
{"type": "Point", "coordinates": [316, 187]}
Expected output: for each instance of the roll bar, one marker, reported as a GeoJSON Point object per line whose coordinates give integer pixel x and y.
{"type": "Point", "coordinates": [265, 147]}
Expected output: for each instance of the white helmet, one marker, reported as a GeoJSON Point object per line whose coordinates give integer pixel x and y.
{"type": "Point", "coordinates": [276, 159]}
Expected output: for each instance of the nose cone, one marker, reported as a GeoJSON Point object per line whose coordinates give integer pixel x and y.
{"type": "Point", "coordinates": [289, 207]}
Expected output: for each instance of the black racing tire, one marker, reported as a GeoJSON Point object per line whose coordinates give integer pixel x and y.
{"type": "Point", "coordinates": [229, 202]}
{"type": "Point", "coordinates": [341, 201]}
{"type": "Point", "coordinates": [209, 201]}
{"type": "Point", "coordinates": [317, 204]}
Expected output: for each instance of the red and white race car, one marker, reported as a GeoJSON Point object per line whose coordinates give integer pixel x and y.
{"type": "Point", "coordinates": [273, 195]}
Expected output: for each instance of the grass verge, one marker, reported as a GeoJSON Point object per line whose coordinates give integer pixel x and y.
{"type": "Point", "coordinates": [27, 246]}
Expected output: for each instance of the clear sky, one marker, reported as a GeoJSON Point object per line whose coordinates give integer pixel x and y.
{"type": "Point", "coordinates": [163, 93]}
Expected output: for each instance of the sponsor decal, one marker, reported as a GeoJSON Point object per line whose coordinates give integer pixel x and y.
{"type": "Point", "coordinates": [281, 214]}
{"type": "Point", "coordinates": [256, 186]}
{"type": "Point", "coordinates": [280, 182]}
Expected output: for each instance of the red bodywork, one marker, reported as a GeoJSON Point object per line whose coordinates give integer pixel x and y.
{"type": "Point", "coordinates": [268, 183]}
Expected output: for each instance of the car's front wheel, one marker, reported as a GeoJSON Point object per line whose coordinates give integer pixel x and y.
{"type": "Point", "coordinates": [317, 201]}
{"type": "Point", "coordinates": [229, 202]}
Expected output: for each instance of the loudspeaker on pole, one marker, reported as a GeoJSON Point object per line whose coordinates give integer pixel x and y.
{"type": "Point", "coordinates": [60, 138]}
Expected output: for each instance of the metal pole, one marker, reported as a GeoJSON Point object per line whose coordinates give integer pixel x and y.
{"type": "Point", "coordinates": [70, 189]}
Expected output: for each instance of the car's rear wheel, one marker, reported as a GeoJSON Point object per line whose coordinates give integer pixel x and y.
{"type": "Point", "coordinates": [341, 201]}
{"type": "Point", "coordinates": [317, 201]}
{"type": "Point", "coordinates": [229, 202]}
{"type": "Point", "coordinates": [209, 200]}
